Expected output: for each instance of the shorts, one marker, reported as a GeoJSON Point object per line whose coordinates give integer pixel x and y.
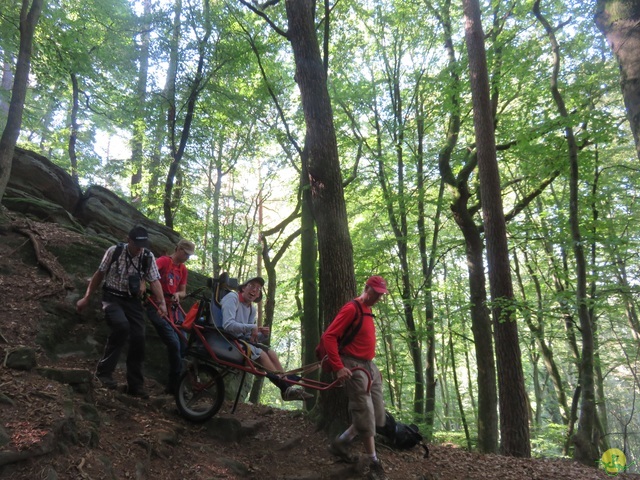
{"type": "Point", "coordinates": [366, 408]}
{"type": "Point", "coordinates": [256, 348]}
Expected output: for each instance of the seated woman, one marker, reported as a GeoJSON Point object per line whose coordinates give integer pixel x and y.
{"type": "Point", "coordinates": [239, 319]}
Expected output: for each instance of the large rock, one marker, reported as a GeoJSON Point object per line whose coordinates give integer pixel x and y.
{"type": "Point", "coordinates": [38, 188]}
{"type": "Point", "coordinates": [38, 177]}
{"type": "Point", "coordinates": [107, 215]}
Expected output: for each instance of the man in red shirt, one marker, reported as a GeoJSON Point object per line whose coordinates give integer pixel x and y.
{"type": "Point", "coordinates": [173, 279]}
{"type": "Point", "coordinates": [366, 407]}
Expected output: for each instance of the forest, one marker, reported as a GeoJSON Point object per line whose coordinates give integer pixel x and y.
{"type": "Point", "coordinates": [479, 155]}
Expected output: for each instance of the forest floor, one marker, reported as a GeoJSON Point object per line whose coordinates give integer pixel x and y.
{"type": "Point", "coordinates": [109, 435]}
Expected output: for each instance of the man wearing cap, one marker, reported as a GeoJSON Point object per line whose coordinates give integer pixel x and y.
{"type": "Point", "coordinates": [366, 407]}
{"type": "Point", "coordinates": [239, 319]}
{"type": "Point", "coordinates": [173, 279]}
{"type": "Point", "coordinates": [124, 279]}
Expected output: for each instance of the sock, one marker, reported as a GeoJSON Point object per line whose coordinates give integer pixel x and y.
{"type": "Point", "coordinates": [373, 457]}
{"type": "Point", "coordinates": [280, 382]}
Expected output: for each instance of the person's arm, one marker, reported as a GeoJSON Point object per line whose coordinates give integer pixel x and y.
{"type": "Point", "coordinates": [232, 320]}
{"type": "Point", "coordinates": [156, 289]}
{"type": "Point", "coordinates": [94, 283]}
{"type": "Point", "coordinates": [181, 292]}
{"type": "Point", "coordinates": [333, 334]}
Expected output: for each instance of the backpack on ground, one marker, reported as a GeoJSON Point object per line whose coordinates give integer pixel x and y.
{"type": "Point", "coordinates": [401, 436]}
{"type": "Point", "coordinates": [348, 336]}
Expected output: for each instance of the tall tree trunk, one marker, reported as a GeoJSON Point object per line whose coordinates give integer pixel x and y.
{"type": "Point", "coordinates": [481, 328]}
{"type": "Point", "coordinates": [140, 119]}
{"type": "Point", "coordinates": [586, 438]}
{"type": "Point", "coordinates": [211, 243]}
{"type": "Point", "coordinates": [428, 261]}
{"type": "Point", "coordinates": [170, 99]}
{"type": "Point", "coordinates": [178, 146]}
{"type": "Point", "coordinates": [337, 279]}
{"type": "Point", "coordinates": [5, 88]}
{"type": "Point", "coordinates": [537, 330]}
{"type": "Point", "coordinates": [398, 221]}
{"type": "Point", "coordinates": [514, 426]}
{"type": "Point", "coordinates": [618, 21]}
{"type": "Point", "coordinates": [29, 16]}
{"type": "Point", "coordinates": [463, 216]}
{"type": "Point", "coordinates": [308, 272]}
{"type": "Point", "coordinates": [456, 385]}
{"type": "Point", "coordinates": [601, 400]}
{"type": "Point", "coordinates": [73, 134]}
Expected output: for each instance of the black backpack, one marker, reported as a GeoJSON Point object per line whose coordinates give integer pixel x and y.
{"type": "Point", "coordinates": [146, 258]}
{"type": "Point", "coordinates": [349, 334]}
{"type": "Point", "coordinates": [400, 435]}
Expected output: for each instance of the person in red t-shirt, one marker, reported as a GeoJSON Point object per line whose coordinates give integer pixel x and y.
{"type": "Point", "coordinates": [173, 279]}
{"type": "Point", "coordinates": [366, 407]}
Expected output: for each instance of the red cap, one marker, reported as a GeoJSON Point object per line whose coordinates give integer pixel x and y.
{"type": "Point", "coordinates": [378, 284]}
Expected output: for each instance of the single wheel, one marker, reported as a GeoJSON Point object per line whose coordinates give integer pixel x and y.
{"type": "Point", "coordinates": [201, 392]}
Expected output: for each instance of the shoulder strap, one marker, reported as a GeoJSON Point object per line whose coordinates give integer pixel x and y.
{"type": "Point", "coordinates": [146, 260]}
{"type": "Point", "coordinates": [354, 327]}
{"type": "Point", "coordinates": [115, 256]}
{"type": "Point", "coordinates": [145, 263]}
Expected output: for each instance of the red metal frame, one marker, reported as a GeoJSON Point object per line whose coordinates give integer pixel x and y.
{"type": "Point", "coordinates": [248, 366]}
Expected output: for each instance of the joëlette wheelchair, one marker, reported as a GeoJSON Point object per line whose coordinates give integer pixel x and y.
{"type": "Point", "coordinates": [212, 354]}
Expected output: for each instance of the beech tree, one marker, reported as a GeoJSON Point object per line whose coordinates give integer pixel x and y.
{"type": "Point", "coordinates": [29, 16]}
{"type": "Point", "coordinates": [618, 21]}
{"type": "Point", "coordinates": [586, 437]}
{"type": "Point", "coordinates": [514, 421]}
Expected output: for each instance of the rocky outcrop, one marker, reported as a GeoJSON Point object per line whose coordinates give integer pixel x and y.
{"type": "Point", "coordinates": [40, 189]}
{"type": "Point", "coordinates": [35, 176]}
{"type": "Point", "coordinates": [107, 215]}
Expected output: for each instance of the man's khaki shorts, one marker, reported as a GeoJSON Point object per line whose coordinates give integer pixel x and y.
{"type": "Point", "coordinates": [366, 408]}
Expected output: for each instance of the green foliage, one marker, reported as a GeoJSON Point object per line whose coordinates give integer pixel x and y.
{"type": "Point", "coordinates": [388, 75]}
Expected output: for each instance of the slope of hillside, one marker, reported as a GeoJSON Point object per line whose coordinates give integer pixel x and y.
{"type": "Point", "coordinates": [57, 423]}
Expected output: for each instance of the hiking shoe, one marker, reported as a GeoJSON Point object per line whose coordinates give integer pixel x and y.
{"type": "Point", "coordinates": [376, 472]}
{"type": "Point", "coordinates": [138, 392]}
{"type": "Point", "coordinates": [340, 448]}
{"type": "Point", "coordinates": [107, 381]}
{"type": "Point", "coordinates": [295, 393]}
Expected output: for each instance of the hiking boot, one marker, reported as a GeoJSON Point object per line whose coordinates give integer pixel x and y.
{"type": "Point", "coordinates": [340, 448]}
{"type": "Point", "coordinates": [138, 392]}
{"type": "Point", "coordinates": [376, 472]}
{"type": "Point", "coordinates": [107, 381]}
{"type": "Point", "coordinates": [295, 393]}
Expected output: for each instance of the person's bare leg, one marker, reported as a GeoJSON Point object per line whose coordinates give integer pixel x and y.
{"type": "Point", "coordinates": [370, 447]}
{"type": "Point", "coordinates": [273, 356]}
{"type": "Point", "coordinates": [349, 434]}
{"type": "Point", "coordinates": [266, 363]}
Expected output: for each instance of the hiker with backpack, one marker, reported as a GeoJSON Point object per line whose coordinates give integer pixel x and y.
{"type": "Point", "coordinates": [124, 269]}
{"type": "Point", "coordinates": [173, 279]}
{"type": "Point", "coordinates": [239, 319]}
{"type": "Point", "coordinates": [354, 323]}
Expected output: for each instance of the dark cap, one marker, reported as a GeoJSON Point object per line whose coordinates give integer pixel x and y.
{"type": "Point", "coordinates": [139, 236]}
{"type": "Point", "coordinates": [378, 284]}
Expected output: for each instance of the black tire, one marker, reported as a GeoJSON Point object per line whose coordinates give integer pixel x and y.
{"type": "Point", "coordinates": [201, 393]}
